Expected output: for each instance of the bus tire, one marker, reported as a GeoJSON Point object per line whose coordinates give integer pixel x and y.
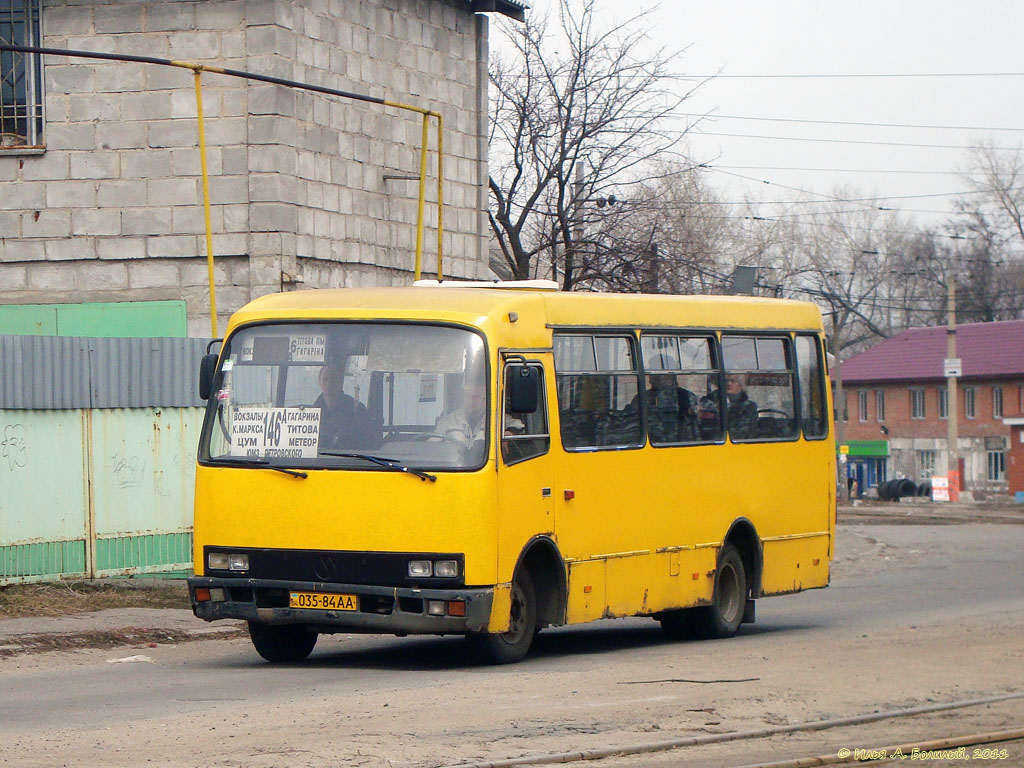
{"type": "Point", "coordinates": [278, 644]}
{"type": "Point", "coordinates": [510, 647]}
{"type": "Point", "coordinates": [722, 618]}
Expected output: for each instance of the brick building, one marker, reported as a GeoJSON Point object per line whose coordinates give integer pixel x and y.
{"type": "Point", "coordinates": [896, 405]}
{"type": "Point", "coordinates": [99, 171]}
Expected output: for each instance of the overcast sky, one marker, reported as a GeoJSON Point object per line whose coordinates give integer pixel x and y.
{"type": "Point", "coordinates": [799, 37]}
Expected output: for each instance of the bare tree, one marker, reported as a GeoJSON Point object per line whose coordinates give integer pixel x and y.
{"type": "Point", "coordinates": [578, 111]}
{"type": "Point", "coordinates": [669, 236]}
{"type": "Point", "coordinates": [845, 261]}
{"type": "Point", "coordinates": [996, 175]}
{"type": "Point", "coordinates": [989, 255]}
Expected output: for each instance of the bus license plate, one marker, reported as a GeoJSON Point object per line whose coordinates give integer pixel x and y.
{"type": "Point", "coordinates": [323, 601]}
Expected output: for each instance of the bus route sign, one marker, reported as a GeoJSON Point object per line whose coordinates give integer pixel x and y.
{"type": "Point", "coordinates": [282, 432]}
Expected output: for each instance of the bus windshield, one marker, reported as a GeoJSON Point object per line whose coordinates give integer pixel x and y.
{"type": "Point", "coordinates": [346, 395]}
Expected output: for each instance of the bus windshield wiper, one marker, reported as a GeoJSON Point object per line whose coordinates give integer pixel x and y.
{"type": "Point", "coordinates": [263, 464]}
{"type": "Point", "coordinates": [384, 462]}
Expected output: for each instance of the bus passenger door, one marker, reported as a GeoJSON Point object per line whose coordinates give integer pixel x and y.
{"type": "Point", "coordinates": [524, 483]}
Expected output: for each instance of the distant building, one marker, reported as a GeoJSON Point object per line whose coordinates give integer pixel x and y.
{"type": "Point", "coordinates": [897, 405]}
{"type": "Point", "coordinates": [99, 171]}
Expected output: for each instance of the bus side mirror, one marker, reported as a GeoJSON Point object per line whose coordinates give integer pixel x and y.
{"type": "Point", "coordinates": [207, 368]}
{"type": "Point", "coordinates": [524, 389]}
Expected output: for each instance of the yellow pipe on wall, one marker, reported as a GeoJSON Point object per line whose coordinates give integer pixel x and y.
{"type": "Point", "coordinates": [206, 201]}
{"type": "Point", "coordinates": [425, 138]}
{"type": "Point", "coordinates": [440, 195]}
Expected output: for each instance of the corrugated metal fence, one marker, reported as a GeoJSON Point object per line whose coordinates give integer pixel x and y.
{"type": "Point", "coordinates": [97, 455]}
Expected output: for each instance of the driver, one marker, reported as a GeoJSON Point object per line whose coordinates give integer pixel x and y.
{"type": "Point", "coordinates": [467, 424]}
{"type": "Point", "coordinates": [345, 423]}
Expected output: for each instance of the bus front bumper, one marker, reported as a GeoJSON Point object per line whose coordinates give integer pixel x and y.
{"type": "Point", "coordinates": [378, 610]}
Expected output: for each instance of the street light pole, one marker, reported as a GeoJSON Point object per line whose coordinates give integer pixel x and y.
{"type": "Point", "coordinates": [952, 401]}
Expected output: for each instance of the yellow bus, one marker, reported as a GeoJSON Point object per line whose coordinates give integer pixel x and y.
{"type": "Point", "coordinates": [490, 459]}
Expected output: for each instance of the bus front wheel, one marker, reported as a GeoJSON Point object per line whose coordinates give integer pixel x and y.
{"type": "Point", "coordinates": [722, 618]}
{"type": "Point", "coordinates": [282, 643]}
{"type": "Point", "coordinates": [511, 646]}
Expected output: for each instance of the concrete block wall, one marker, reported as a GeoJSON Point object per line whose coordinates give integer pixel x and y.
{"type": "Point", "coordinates": [112, 209]}
{"type": "Point", "coordinates": [318, 164]}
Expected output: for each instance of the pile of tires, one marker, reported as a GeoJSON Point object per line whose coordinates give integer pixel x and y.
{"type": "Point", "coordinates": [894, 490]}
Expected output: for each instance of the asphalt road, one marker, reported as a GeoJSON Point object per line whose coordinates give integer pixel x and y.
{"type": "Point", "coordinates": [916, 614]}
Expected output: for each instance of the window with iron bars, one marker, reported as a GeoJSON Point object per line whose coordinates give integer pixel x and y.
{"type": "Point", "coordinates": [925, 464]}
{"type": "Point", "coordinates": [21, 76]}
{"type": "Point", "coordinates": [996, 466]}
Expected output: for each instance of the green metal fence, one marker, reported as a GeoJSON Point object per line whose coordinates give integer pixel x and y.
{"type": "Point", "coordinates": [87, 493]}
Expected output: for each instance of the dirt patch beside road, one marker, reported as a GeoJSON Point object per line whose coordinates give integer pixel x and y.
{"type": "Point", "coordinates": [69, 597]}
{"type": "Point", "coordinates": [136, 637]}
{"type": "Point", "coordinates": [72, 616]}
{"type": "Point", "coordinates": [914, 511]}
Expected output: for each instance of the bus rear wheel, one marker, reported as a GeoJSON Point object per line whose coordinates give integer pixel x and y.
{"type": "Point", "coordinates": [279, 644]}
{"type": "Point", "coordinates": [511, 646]}
{"type": "Point", "coordinates": [722, 618]}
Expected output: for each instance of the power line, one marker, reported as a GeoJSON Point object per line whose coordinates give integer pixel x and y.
{"type": "Point", "coordinates": [860, 301]}
{"type": "Point", "coordinates": [828, 198]}
{"type": "Point", "coordinates": [841, 141]}
{"type": "Point", "coordinates": [854, 199]}
{"type": "Point", "coordinates": [713, 115]}
{"type": "Point", "coordinates": [687, 205]}
{"type": "Point", "coordinates": [806, 75]}
{"type": "Point", "coordinates": [796, 214]}
{"type": "Point", "coordinates": [918, 233]}
{"type": "Point", "coordinates": [842, 170]}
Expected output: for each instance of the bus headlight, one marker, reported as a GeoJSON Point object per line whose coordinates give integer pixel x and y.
{"type": "Point", "coordinates": [448, 569]}
{"type": "Point", "coordinates": [227, 561]}
{"type": "Point", "coordinates": [419, 569]}
{"type": "Point", "coordinates": [217, 561]}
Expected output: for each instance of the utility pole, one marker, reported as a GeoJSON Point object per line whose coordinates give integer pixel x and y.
{"type": "Point", "coordinates": [652, 270]}
{"type": "Point", "coordinates": [577, 227]}
{"type": "Point", "coordinates": [952, 366]}
{"type": "Point", "coordinates": [554, 252]}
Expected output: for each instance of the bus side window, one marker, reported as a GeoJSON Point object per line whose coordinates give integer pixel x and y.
{"type": "Point", "coordinates": [598, 383]}
{"type": "Point", "coordinates": [682, 379]}
{"type": "Point", "coordinates": [812, 387]}
{"type": "Point", "coordinates": [759, 393]}
{"type": "Point", "coordinates": [524, 435]}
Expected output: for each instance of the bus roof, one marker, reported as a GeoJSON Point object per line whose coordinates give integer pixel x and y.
{"type": "Point", "coordinates": [476, 305]}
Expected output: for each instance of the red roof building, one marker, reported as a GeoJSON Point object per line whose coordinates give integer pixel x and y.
{"type": "Point", "coordinates": [897, 407]}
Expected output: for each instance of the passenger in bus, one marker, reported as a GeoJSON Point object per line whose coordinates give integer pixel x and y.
{"type": "Point", "coordinates": [345, 423]}
{"type": "Point", "coordinates": [467, 424]}
{"type": "Point", "coordinates": [741, 411]}
{"type": "Point", "coordinates": [671, 410]}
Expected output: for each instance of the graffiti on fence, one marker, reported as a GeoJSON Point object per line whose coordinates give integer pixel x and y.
{"type": "Point", "coordinates": [15, 446]}
{"type": "Point", "coordinates": [128, 470]}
